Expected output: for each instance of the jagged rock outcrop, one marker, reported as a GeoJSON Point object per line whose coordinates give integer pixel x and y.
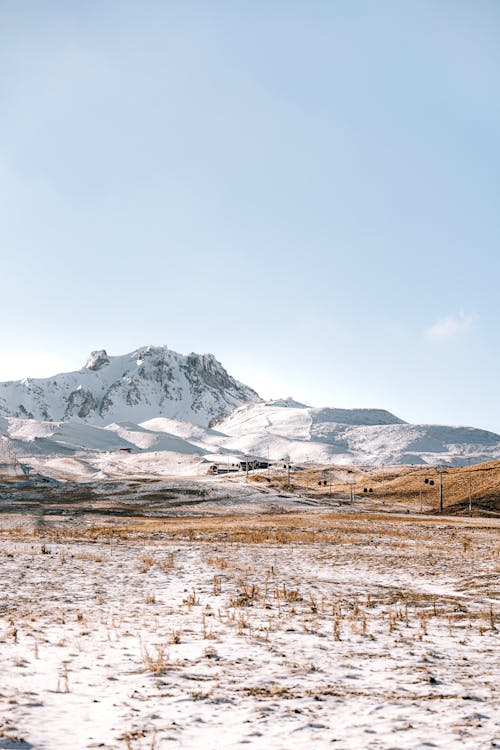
{"type": "Point", "coordinates": [97, 359]}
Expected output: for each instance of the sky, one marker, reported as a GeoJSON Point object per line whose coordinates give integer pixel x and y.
{"type": "Point", "coordinates": [307, 189]}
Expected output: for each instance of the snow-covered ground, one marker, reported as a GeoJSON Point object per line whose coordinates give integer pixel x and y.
{"type": "Point", "coordinates": [281, 631]}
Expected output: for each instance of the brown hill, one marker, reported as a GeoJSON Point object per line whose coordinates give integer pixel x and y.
{"type": "Point", "coordinates": [407, 487]}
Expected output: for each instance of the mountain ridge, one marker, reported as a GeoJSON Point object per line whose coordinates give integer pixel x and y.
{"type": "Point", "coordinates": [148, 382]}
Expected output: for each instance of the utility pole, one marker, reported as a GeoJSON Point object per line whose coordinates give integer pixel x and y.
{"type": "Point", "coordinates": [470, 489]}
{"type": "Point", "coordinates": [440, 490]}
{"type": "Point", "coordinates": [421, 482]}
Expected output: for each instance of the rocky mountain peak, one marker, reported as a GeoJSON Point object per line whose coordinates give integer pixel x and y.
{"type": "Point", "coordinates": [149, 382]}
{"type": "Point", "coordinates": [96, 360]}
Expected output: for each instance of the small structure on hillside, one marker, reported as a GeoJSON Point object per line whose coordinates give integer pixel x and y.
{"type": "Point", "coordinates": [224, 468]}
{"type": "Point", "coordinates": [238, 464]}
{"type": "Point", "coordinates": [249, 463]}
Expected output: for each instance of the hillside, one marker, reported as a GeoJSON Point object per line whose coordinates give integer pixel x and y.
{"type": "Point", "coordinates": [396, 488]}
{"type": "Point", "coordinates": [358, 436]}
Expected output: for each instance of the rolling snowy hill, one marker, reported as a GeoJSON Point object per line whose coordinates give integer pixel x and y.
{"type": "Point", "coordinates": [343, 436]}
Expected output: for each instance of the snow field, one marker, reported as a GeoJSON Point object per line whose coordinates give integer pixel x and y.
{"type": "Point", "coordinates": [287, 631]}
{"type": "Point", "coordinates": [278, 431]}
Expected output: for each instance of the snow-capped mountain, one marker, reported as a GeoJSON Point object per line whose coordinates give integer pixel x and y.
{"type": "Point", "coordinates": [155, 411]}
{"type": "Point", "coordinates": [150, 382]}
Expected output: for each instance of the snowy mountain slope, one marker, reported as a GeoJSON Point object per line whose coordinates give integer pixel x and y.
{"type": "Point", "coordinates": [50, 437]}
{"type": "Point", "coordinates": [205, 437]}
{"type": "Point", "coordinates": [298, 421]}
{"type": "Point", "coordinates": [302, 433]}
{"type": "Point", "coordinates": [74, 450]}
{"type": "Point", "coordinates": [284, 421]}
{"type": "Point", "coordinates": [150, 440]}
{"type": "Point", "coordinates": [412, 444]}
{"type": "Point", "coordinates": [148, 383]}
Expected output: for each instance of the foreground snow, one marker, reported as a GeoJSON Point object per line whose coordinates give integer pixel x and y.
{"type": "Point", "coordinates": [285, 631]}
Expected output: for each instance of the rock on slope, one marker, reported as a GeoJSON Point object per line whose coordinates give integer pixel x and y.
{"type": "Point", "coordinates": [148, 383]}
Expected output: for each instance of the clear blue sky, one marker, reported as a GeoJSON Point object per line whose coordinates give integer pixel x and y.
{"type": "Point", "coordinates": [309, 190]}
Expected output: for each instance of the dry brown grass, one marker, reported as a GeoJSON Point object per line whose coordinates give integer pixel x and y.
{"type": "Point", "coordinates": [279, 529]}
{"type": "Point", "coordinates": [155, 661]}
{"type": "Point", "coordinates": [400, 486]}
